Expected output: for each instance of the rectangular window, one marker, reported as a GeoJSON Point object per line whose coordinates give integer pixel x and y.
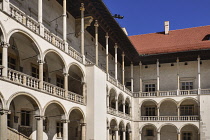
{"type": "Point", "coordinates": [11, 62]}
{"type": "Point", "coordinates": [149, 132]}
{"type": "Point", "coordinates": [187, 85]}
{"type": "Point", "coordinates": [149, 87]}
{"type": "Point", "coordinates": [25, 118]}
{"type": "Point", "coordinates": [150, 111]}
{"type": "Point", "coordinates": [35, 71]}
{"type": "Point", "coordinates": [59, 81]}
{"type": "Point", "coordinates": [187, 136]}
{"type": "Point", "coordinates": [59, 129]}
{"type": "Point", "coordinates": [187, 110]}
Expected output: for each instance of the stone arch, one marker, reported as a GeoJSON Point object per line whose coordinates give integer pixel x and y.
{"type": "Point", "coordinates": [2, 101]}
{"type": "Point", "coordinates": [168, 107]}
{"type": "Point", "coordinates": [170, 124]}
{"type": "Point", "coordinates": [54, 102]}
{"type": "Point", "coordinates": [187, 98]}
{"type": "Point", "coordinates": [127, 105]}
{"type": "Point", "coordinates": [77, 108]}
{"type": "Point", "coordinates": [23, 93]}
{"type": "Point", "coordinates": [2, 30]}
{"type": "Point", "coordinates": [147, 124]}
{"type": "Point", "coordinates": [113, 119]}
{"type": "Point", "coordinates": [80, 68]}
{"type": "Point", "coordinates": [121, 101]}
{"type": "Point", "coordinates": [167, 99]}
{"type": "Point", "coordinates": [148, 130]}
{"type": "Point", "coordinates": [112, 98]}
{"type": "Point", "coordinates": [186, 125]}
{"type": "Point", "coordinates": [168, 131]}
{"type": "Point", "coordinates": [147, 100]}
{"type": "Point", "coordinates": [122, 123]}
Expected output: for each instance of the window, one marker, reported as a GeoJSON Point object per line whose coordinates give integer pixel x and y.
{"type": "Point", "coordinates": [149, 132]}
{"type": "Point", "coordinates": [187, 136]}
{"type": "Point", "coordinates": [150, 111]}
{"type": "Point", "coordinates": [59, 81]}
{"type": "Point", "coordinates": [25, 118]}
{"type": "Point", "coordinates": [35, 71]}
{"type": "Point", "coordinates": [149, 87]}
{"type": "Point", "coordinates": [187, 85]}
{"type": "Point", "coordinates": [45, 124]}
{"type": "Point", "coordinates": [59, 129]}
{"type": "Point", "coordinates": [11, 62]}
{"type": "Point", "coordinates": [187, 110]}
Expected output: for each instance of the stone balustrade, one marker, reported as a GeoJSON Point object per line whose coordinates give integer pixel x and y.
{"type": "Point", "coordinates": [170, 118]}
{"type": "Point", "coordinates": [117, 113]}
{"type": "Point", "coordinates": [75, 54]}
{"type": "Point", "coordinates": [75, 97]}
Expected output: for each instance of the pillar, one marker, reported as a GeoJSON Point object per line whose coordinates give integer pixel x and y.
{"type": "Point", "coordinates": [178, 112]}
{"type": "Point", "coordinates": [65, 129]}
{"type": "Point", "coordinates": [82, 8]}
{"type": "Point", "coordinates": [179, 136]}
{"type": "Point", "coordinates": [116, 104]}
{"type": "Point", "coordinates": [158, 113]}
{"type": "Point", "coordinates": [107, 101]}
{"type": "Point", "coordinates": [178, 83]}
{"type": "Point", "coordinates": [140, 135]}
{"type": "Point", "coordinates": [5, 6]}
{"type": "Point", "coordinates": [124, 135]}
{"type": "Point", "coordinates": [41, 79]}
{"type": "Point", "coordinates": [107, 132]}
{"type": "Point", "coordinates": [123, 69]}
{"type": "Point", "coordinates": [158, 135]}
{"type": "Point", "coordinates": [131, 76]}
{"type": "Point", "coordinates": [199, 75]}
{"type": "Point", "coordinates": [158, 76]}
{"type": "Point", "coordinates": [40, 18]}
{"type": "Point", "coordinates": [140, 76]}
{"type": "Point", "coordinates": [96, 40]}
{"type": "Point", "coordinates": [124, 107]}
{"type": "Point", "coordinates": [66, 84]}
{"type": "Point", "coordinates": [4, 58]}
{"type": "Point", "coordinates": [64, 21]}
{"type": "Point", "coordinates": [107, 53]}
{"type": "Point", "coordinates": [3, 124]}
{"type": "Point", "coordinates": [116, 60]}
{"type": "Point", "coordinates": [116, 134]}
{"type": "Point", "coordinates": [83, 125]}
{"type": "Point", "coordinates": [39, 127]}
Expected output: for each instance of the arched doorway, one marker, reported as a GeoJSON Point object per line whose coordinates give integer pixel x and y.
{"type": "Point", "coordinates": [168, 132]}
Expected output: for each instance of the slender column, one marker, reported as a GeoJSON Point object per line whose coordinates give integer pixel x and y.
{"type": "Point", "coordinates": [83, 125]}
{"type": "Point", "coordinates": [40, 11]}
{"type": "Point", "coordinates": [199, 75]}
{"type": "Point", "coordinates": [64, 20]}
{"type": "Point", "coordinates": [66, 82]}
{"type": "Point", "coordinates": [107, 53]}
{"type": "Point", "coordinates": [131, 76]}
{"type": "Point", "coordinates": [158, 135]}
{"type": "Point", "coordinates": [140, 76]}
{"type": "Point", "coordinates": [4, 58]}
{"type": "Point", "coordinates": [130, 110]}
{"type": "Point", "coordinates": [82, 8]}
{"type": "Point", "coordinates": [116, 104]}
{"type": "Point", "coordinates": [65, 129]}
{"type": "Point", "coordinates": [124, 107]}
{"type": "Point", "coordinates": [84, 92]}
{"type": "Point", "coordinates": [140, 135]}
{"type": "Point", "coordinates": [107, 100]}
{"type": "Point", "coordinates": [123, 69]}
{"type": "Point", "coordinates": [41, 79]}
{"type": "Point", "coordinates": [124, 135]}
{"type": "Point", "coordinates": [158, 112]}
{"type": "Point", "coordinates": [96, 40]}
{"type": "Point", "coordinates": [178, 112]}
{"type": "Point", "coordinates": [5, 6]}
{"type": "Point", "coordinates": [116, 134]}
{"type": "Point", "coordinates": [3, 124]}
{"type": "Point", "coordinates": [116, 60]}
{"type": "Point", "coordinates": [179, 136]}
{"type": "Point", "coordinates": [178, 83]}
{"type": "Point", "coordinates": [107, 133]}
{"type": "Point", "coordinates": [158, 76]}
{"type": "Point", "coordinates": [39, 127]}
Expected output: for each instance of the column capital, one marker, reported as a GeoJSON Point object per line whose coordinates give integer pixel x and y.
{"type": "Point", "coordinates": [107, 36]}
{"type": "Point", "coordinates": [4, 44]}
{"type": "Point", "coordinates": [82, 124]}
{"type": "Point", "coordinates": [198, 57]}
{"type": "Point", "coordinates": [5, 111]}
{"type": "Point", "coordinates": [96, 23]}
{"type": "Point", "coordinates": [65, 74]}
{"type": "Point", "coordinates": [82, 8]}
{"type": "Point", "coordinates": [65, 121]}
{"type": "Point", "coordinates": [115, 46]}
{"type": "Point", "coordinates": [123, 54]}
{"type": "Point", "coordinates": [140, 64]}
{"type": "Point", "coordinates": [38, 117]}
{"type": "Point", "coordinates": [40, 61]}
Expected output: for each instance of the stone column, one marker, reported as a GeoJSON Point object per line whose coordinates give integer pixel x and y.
{"type": "Point", "coordinates": [130, 110]}
{"type": "Point", "coordinates": [124, 107]}
{"type": "Point", "coordinates": [5, 58]}
{"type": "Point", "coordinates": [82, 8]}
{"type": "Point", "coordinates": [140, 77]}
{"type": "Point", "coordinates": [140, 135]}
{"type": "Point", "coordinates": [123, 69]}
{"type": "Point", "coordinates": [178, 83]}
{"type": "Point", "coordinates": [65, 129]}
{"type": "Point", "coordinates": [107, 53]}
{"type": "Point", "coordinates": [107, 101]}
{"type": "Point", "coordinates": [158, 113]}
{"type": "Point", "coordinates": [40, 19]}
{"type": "Point", "coordinates": [158, 77]}
{"type": "Point", "coordinates": [116, 134]}
{"type": "Point", "coordinates": [64, 21]}
{"type": "Point", "coordinates": [41, 79]}
{"type": "Point", "coordinates": [83, 127]}
{"type": "Point", "coordinates": [199, 75]}
{"type": "Point", "coordinates": [116, 104]}
{"type": "Point", "coordinates": [158, 135]}
{"type": "Point", "coordinates": [5, 6]}
{"type": "Point", "coordinates": [116, 60]}
{"type": "Point", "coordinates": [96, 40]}
{"type": "Point", "coordinates": [179, 136]}
{"type": "Point", "coordinates": [107, 132]}
{"type": "Point", "coordinates": [66, 84]}
{"type": "Point", "coordinates": [124, 137]}
{"type": "Point", "coordinates": [3, 123]}
{"type": "Point", "coordinates": [131, 76]}
{"type": "Point", "coordinates": [178, 112]}
{"type": "Point", "coordinates": [39, 127]}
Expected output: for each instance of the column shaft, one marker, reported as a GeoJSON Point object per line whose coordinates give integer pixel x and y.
{"type": "Point", "coordinates": [116, 60]}
{"type": "Point", "coordinates": [66, 84]}
{"type": "Point", "coordinates": [158, 76]}
{"type": "Point", "coordinates": [107, 53]}
{"type": "Point", "coordinates": [107, 133]}
{"type": "Point", "coordinates": [124, 108]}
{"type": "Point", "coordinates": [140, 76]}
{"type": "Point", "coordinates": [96, 41]}
{"type": "Point", "coordinates": [41, 74]}
{"type": "Point", "coordinates": [124, 135]}
{"type": "Point", "coordinates": [107, 100]}
{"type": "Point", "coordinates": [123, 69]}
{"type": "Point", "coordinates": [40, 11]}
{"type": "Point", "coordinates": [64, 21]}
{"type": "Point", "coordinates": [158, 135]}
{"type": "Point", "coordinates": [116, 105]}
{"type": "Point", "coordinates": [83, 132]}
{"type": "Point", "coordinates": [3, 124]}
{"type": "Point", "coordinates": [199, 74]}
{"type": "Point", "coordinates": [82, 33]}
{"type": "Point", "coordinates": [116, 135]}
{"type": "Point", "coordinates": [131, 77]}
{"type": "Point", "coordinates": [178, 83]}
{"type": "Point", "coordinates": [179, 136]}
{"type": "Point", "coordinates": [5, 59]}
{"type": "Point", "coordinates": [39, 128]}
{"type": "Point", "coordinates": [65, 130]}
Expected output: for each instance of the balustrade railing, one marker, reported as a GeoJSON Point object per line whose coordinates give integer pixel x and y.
{"type": "Point", "coordinates": [205, 91]}
{"type": "Point", "coordinates": [112, 80]}
{"type": "Point", "coordinates": [75, 97]}
{"type": "Point", "coordinates": [75, 54]}
{"type": "Point", "coordinates": [52, 89]}
{"type": "Point", "coordinates": [118, 113]}
{"type": "Point", "coordinates": [169, 118]}
{"type": "Point", "coordinates": [145, 94]}
{"type": "Point", "coordinates": [1, 68]}
{"type": "Point", "coordinates": [21, 17]}
{"type": "Point", "coordinates": [188, 92]}
{"type": "Point", "coordinates": [167, 93]}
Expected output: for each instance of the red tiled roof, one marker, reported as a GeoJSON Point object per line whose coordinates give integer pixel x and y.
{"type": "Point", "coordinates": [176, 41]}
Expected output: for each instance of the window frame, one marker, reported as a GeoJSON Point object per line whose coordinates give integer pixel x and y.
{"type": "Point", "coordinates": [148, 87]}
{"type": "Point", "coordinates": [186, 86]}
{"type": "Point", "coordinates": [148, 133]}
{"type": "Point", "coordinates": [60, 82]}
{"type": "Point", "coordinates": [59, 129]}
{"type": "Point", "coordinates": [150, 112]}
{"type": "Point", "coordinates": [186, 109]}
{"type": "Point", "coordinates": [26, 117]}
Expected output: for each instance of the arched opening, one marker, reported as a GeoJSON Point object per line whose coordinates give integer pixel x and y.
{"type": "Point", "coordinates": [112, 98]}
{"type": "Point", "coordinates": [127, 106]}
{"type": "Point", "coordinates": [113, 129]}
{"type": "Point", "coordinates": [168, 108]}
{"type": "Point", "coordinates": [53, 126]}
{"type": "Point", "coordinates": [148, 109]}
{"type": "Point", "coordinates": [168, 132]}
{"type": "Point", "coordinates": [128, 132]}
{"type": "Point", "coordinates": [75, 80]}
{"type": "Point", "coordinates": [149, 132]}
{"type": "Point", "coordinates": [189, 132]}
{"type": "Point", "coordinates": [189, 107]}
{"type": "Point", "coordinates": [121, 130]}
{"type": "Point", "coordinates": [76, 125]}
{"type": "Point", "coordinates": [120, 103]}
{"type": "Point", "coordinates": [23, 109]}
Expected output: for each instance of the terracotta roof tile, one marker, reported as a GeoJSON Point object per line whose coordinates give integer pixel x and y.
{"type": "Point", "coordinates": [176, 41]}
